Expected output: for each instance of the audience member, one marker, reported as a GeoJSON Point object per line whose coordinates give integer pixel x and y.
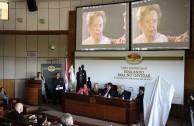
{"type": "Point", "coordinates": [95, 90]}
{"type": "Point", "coordinates": [16, 113]}
{"type": "Point", "coordinates": [84, 90]}
{"type": "Point", "coordinates": [109, 91]}
{"type": "Point", "coordinates": [42, 120]}
{"type": "Point", "coordinates": [40, 77]}
{"type": "Point", "coordinates": [67, 120]}
{"type": "Point", "coordinates": [122, 93]}
{"type": "Point", "coordinates": [58, 82]}
{"type": "Point", "coordinates": [190, 100]}
{"type": "Point", "coordinates": [3, 94]}
{"type": "Point", "coordinates": [140, 97]}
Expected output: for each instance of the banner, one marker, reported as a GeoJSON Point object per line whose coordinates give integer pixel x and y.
{"type": "Point", "coordinates": [49, 71]}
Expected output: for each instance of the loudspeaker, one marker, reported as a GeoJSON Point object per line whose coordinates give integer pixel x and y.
{"type": "Point", "coordinates": [32, 5]}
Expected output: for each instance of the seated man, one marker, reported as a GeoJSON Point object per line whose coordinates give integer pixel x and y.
{"type": "Point", "coordinates": [67, 120]}
{"type": "Point", "coordinates": [122, 93]}
{"type": "Point", "coordinates": [109, 91]}
{"type": "Point", "coordinates": [16, 113]}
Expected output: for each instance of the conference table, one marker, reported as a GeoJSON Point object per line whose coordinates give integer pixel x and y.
{"type": "Point", "coordinates": [98, 107]}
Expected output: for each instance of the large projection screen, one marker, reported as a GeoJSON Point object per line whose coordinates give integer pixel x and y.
{"type": "Point", "coordinates": [160, 25]}
{"type": "Point", "coordinates": [104, 67]}
{"type": "Point", "coordinates": [102, 27]}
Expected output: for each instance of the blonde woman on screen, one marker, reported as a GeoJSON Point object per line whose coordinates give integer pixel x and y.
{"type": "Point", "coordinates": [95, 22]}
{"type": "Point", "coordinates": [148, 18]}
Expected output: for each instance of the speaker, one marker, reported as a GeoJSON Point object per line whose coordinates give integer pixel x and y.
{"type": "Point", "coordinates": [32, 5]}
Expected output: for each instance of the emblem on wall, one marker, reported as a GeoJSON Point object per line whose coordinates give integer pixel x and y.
{"type": "Point", "coordinates": [51, 68]}
{"type": "Point", "coordinates": [134, 58]}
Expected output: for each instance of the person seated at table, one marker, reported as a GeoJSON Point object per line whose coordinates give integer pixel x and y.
{"type": "Point", "coordinates": [3, 94]}
{"type": "Point", "coordinates": [122, 93]}
{"type": "Point", "coordinates": [96, 90]}
{"type": "Point", "coordinates": [16, 115]}
{"type": "Point", "coordinates": [109, 91]}
{"type": "Point", "coordinates": [42, 120]}
{"type": "Point", "coordinates": [67, 120]}
{"type": "Point", "coordinates": [84, 90]}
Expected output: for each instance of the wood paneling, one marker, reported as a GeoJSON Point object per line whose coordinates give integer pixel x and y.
{"type": "Point", "coordinates": [189, 74]}
{"type": "Point", "coordinates": [33, 92]}
{"type": "Point", "coordinates": [72, 36]}
{"type": "Point", "coordinates": [9, 86]}
{"type": "Point", "coordinates": [1, 83]}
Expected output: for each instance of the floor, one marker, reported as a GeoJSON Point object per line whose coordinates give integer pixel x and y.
{"type": "Point", "coordinates": [57, 110]}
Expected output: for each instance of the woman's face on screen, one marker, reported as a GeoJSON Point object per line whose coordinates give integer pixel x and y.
{"type": "Point", "coordinates": [149, 24]}
{"type": "Point", "coordinates": [96, 28]}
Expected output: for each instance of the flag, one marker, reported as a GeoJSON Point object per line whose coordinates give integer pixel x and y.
{"type": "Point", "coordinates": [66, 74]}
{"type": "Point", "coordinates": [72, 78]}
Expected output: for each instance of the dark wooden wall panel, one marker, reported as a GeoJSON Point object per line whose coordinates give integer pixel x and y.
{"type": "Point", "coordinates": [1, 83]}
{"type": "Point", "coordinates": [9, 86]}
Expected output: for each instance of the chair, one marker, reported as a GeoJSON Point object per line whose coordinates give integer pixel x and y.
{"type": "Point", "coordinates": [12, 102]}
{"type": "Point", "coordinates": [3, 103]}
{"type": "Point", "coordinates": [128, 95]}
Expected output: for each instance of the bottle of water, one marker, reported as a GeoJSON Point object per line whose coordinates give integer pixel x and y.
{"type": "Point", "coordinates": [130, 99]}
{"type": "Point", "coordinates": [123, 97]}
{"type": "Point", "coordinates": [109, 96]}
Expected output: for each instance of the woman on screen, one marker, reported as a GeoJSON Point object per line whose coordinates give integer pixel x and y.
{"type": "Point", "coordinates": [95, 22]}
{"type": "Point", "coordinates": [148, 18]}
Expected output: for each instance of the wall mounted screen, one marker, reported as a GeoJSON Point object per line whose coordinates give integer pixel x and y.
{"type": "Point", "coordinates": [103, 27]}
{"type": "Point", "coordinates": [160, 25]}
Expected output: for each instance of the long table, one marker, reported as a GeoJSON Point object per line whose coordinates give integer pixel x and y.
{"type": "Point", "coordinates": [110, 109]}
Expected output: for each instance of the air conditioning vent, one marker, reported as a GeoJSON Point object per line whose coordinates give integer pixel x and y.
{"type": "Point", "coordinates": [31, 54]}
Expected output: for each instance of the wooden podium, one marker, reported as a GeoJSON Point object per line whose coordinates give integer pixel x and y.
{"type": "Point", "coordinates": [33, 92]}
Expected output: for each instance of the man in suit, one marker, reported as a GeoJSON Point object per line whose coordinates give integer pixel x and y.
{"type": "Point", "coordinates": [57, 92]}
{"type": "Point", "coordinates": [109, 91]}
{"type": "Point", "coordinates": [16, 113]}
{"type": "Point", "coordinates": [122, 93]}
{"type": "Point", "coordinates": [140, 97]}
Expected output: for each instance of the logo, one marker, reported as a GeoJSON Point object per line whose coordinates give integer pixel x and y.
{"type": "Point", "coordinates": [134, 58]}
{"type": "Point", "coordinates": [51, 68]}
{"type": "Point", "coordinates": [92, 100]}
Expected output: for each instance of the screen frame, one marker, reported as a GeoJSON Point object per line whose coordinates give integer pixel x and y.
{"type": "Point", "coordinates": [157, 46]}
{"type": "Point", "coordinates": [103, 47]}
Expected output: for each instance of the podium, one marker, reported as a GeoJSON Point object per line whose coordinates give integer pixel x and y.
{"type": "Point", "coordinates": [33, 92]}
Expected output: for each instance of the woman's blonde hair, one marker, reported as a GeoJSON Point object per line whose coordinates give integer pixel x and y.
{"type": "Point", "coordinates": [145, 9]}
{"type": "Point", "coordinates": [91, 15]}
